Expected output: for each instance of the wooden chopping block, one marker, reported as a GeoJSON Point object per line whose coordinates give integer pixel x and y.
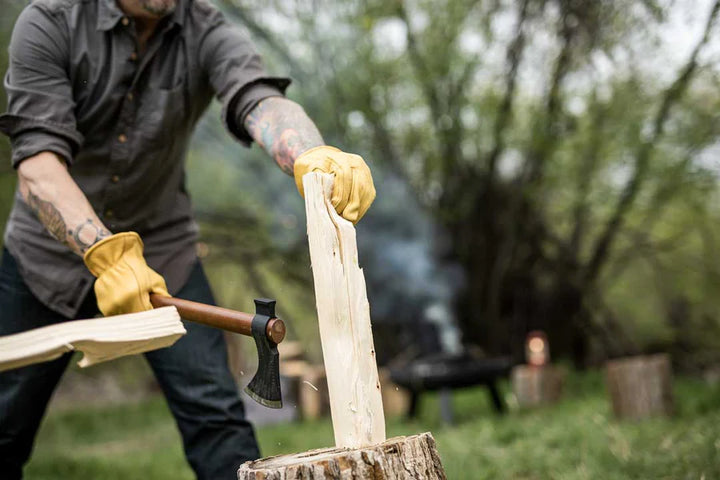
{"type": "Point", "coordinates": [537, 385]}
{"type": "Point", "coordinates": [400, 458]}
{"type": "Point", "coordinates": [640, 386]}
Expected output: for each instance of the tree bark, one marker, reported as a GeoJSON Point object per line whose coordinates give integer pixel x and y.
{"type": "Point", "coordinates": [646, 149]}
{"type": "Point", "coordinates": [641, 386]}
{"type": "Point", "coordinates": [400, 458]}
{"type": "Point", "coordinates": [534, 386]}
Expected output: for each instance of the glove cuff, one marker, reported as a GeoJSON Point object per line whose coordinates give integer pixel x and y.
{"type": "Point", "coordinates": [308, 161]}
{"type": "Point", "coordinates": [106, 253]}
{"type": "Point", "coordinates": [315, 149]}
{"type": "Point", "coordinates": [300, 160]}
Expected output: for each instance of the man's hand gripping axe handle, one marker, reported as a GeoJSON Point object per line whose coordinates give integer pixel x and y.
{"type": "Point", "coordinates": [264, 327]}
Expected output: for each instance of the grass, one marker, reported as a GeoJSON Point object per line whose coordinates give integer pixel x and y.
{"type": "Point", "coordinates": [576, 439]}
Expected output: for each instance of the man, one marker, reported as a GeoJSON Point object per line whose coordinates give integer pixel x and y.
{"type": "Point", "coordinates": [102, 98]}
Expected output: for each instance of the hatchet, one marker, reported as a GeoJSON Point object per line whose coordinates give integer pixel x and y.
{"type": "Point", "coordinates": [266, 329]}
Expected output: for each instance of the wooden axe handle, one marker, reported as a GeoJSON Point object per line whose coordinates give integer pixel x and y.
{"type": "Point", "coordinates": [218, 317]}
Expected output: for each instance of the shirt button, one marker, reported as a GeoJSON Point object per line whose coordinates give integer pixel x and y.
{"type": "Point", "coordinates": [122, 138]}
{"type": "Point", "coordinates": [125, 21]}
{"type": "Point", "coordinates": [115, 178]}
{"type": "Point", "coordinates": [130, 96]}
{"type": "Point", "coordinates": [133, 56]}
{"type": "Point", "coordinates": [109, 213]}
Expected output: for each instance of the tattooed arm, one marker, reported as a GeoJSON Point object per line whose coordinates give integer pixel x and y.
{"type": "Point", "coordinates": [60, 205]}
{"type": "Point", "coordinates": [283, 129]}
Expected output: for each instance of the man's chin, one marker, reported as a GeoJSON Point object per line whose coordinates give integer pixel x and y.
{"type": "Point", "coordinates": [159, 8]}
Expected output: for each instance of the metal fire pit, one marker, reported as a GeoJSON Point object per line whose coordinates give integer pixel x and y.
{"type": "Point", "coordinates": [449, 372]}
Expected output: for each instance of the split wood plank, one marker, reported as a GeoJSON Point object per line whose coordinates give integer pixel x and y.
{"type": "Point", "coordinates": [99, 339]}
{"type": "Point", "coordinates": [344, 320]}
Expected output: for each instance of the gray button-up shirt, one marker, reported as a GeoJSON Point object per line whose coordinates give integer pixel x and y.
{"type": "Point", "coordinates": [122, 119]}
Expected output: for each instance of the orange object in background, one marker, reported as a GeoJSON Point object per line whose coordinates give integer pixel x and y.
{"type": "Point", "coordinates": [537, 348]}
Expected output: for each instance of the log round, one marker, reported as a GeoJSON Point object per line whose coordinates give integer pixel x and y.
{"type": "Point", "coordinates": [641, 386]}
{"type": "Point", "coordinates": [400, 458]}
{"type": "Point", "coordinates": [537, 385]}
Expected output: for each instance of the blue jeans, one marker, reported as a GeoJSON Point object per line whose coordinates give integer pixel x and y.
{"type": "Point", "coordinates": [193, 375]}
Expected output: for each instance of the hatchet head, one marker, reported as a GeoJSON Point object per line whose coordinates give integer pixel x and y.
{"type": "Point", "coordinates": [264, 388]}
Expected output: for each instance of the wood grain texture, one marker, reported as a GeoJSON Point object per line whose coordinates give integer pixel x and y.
{"type": "Point", "coordinates": [641, 386]}
{"type": "Point", "coordinates": [400, 458]}
{"type": "Point", "coordinates": [537, 385]}
{"type": "Point", "coordinates": [344, 320]}
{"type": "Point", "coordinates": [100, 339]}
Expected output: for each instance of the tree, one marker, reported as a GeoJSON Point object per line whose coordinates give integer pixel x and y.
{"type": "Point", "coordinates": [530, 130]}
{"type": "Point", "coordinates": [7, 175]}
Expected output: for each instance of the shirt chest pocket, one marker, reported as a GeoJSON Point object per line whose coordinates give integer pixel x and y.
{"type": "Point", "coordinates": [161, 117]}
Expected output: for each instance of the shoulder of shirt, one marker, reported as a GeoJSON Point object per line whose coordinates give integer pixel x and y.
{"type": "Point", "coordinates": [54, 6]}
{"type": "Point", "coordinates": [202, 9]}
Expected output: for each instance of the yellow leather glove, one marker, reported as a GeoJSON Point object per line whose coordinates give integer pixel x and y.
{"type": "Point", "coordinates": [353, 189]}
{"type": "Point", "coordinates": [124, 281]}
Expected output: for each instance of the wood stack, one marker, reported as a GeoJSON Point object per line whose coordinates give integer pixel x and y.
{"type": "Point", "coordinates": [307, 386]}
{"type": "Point", "coordinates": [308, 390]}
{"type": "Point", "coordinates": [396, 399]}
{"type": "Point", "coordinates": [353, 382]}
{"type": "Point", "coordinates": [313, 393]}
{"type": "Point", "coordinates": [640, 386]}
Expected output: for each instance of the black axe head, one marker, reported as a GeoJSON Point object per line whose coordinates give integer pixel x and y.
{"type": "Point", "coordinates": [265, 385]}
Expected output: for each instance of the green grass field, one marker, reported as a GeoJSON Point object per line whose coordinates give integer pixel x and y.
{"type": "Point", "coordinates": [575, 439]}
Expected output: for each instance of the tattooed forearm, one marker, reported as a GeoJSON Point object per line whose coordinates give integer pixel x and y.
{"type": "Point", "coordinates": [48, 216]}
{"type": "Point", "coordinates": [79, 239]}
{"type": "Point", "coordinates": [88, 234]}
{"type": "Point", "coordinates": [283, 129]}
{"type": "Point", "coordinates": [51, 193]}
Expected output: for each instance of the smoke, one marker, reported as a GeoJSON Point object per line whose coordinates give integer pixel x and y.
{"type": "Point", "coordinates": [407, 283]}
{"type": "Point", "coordinates": [399, 245]}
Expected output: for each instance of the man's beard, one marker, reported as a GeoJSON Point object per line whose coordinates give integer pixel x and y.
{"type": "Point", "coordinates": [159, 8]}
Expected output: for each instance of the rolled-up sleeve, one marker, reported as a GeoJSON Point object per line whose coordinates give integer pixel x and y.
{"type": "Point", "coordinates": [40, 113]}
{"type": "Point", "coordinates": [236, 73]}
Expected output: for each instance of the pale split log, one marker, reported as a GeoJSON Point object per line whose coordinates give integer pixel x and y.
{"type": "Point", "coordinates": [537, 385]}
{"type": "Point", "coordinates": [640, 386]}
{"type": "Point", "coordinates": [100, 339]}
{"type": "Point", "coordinates": [344, 320]}
{"type": "Point", "coordinates": [400, 458]}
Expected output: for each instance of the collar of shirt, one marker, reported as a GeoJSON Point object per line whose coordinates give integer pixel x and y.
{"type": "Point", "coordinates": [109, 14]}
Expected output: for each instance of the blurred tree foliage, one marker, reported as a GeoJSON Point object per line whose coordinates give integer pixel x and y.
{"type": "Point", "coordinates": [7, 175]}
{"type": "Point", "coordinates": [575, 181]}
{"type": "Point", "coordinates": [557, 161]}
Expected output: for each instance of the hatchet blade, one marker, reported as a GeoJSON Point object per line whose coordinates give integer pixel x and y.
{"type": "Point", "coordinates": [264, 388]}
